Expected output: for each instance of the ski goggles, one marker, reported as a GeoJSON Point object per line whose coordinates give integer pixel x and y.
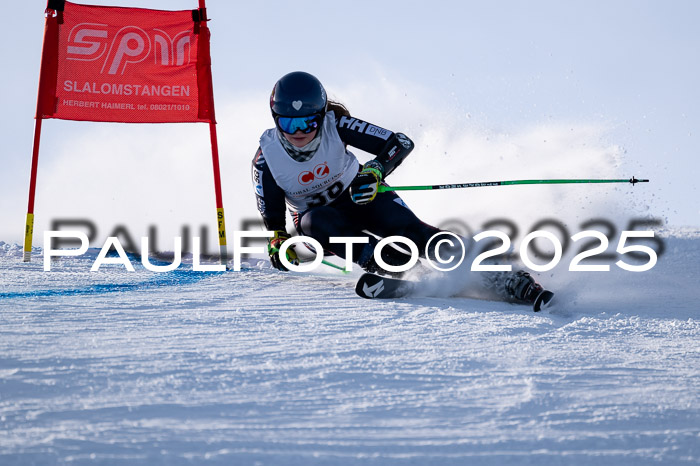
{"type": "Point", "coordinates": [305, 124]}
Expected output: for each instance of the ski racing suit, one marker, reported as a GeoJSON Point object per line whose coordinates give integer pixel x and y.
{"type": "Point", "coordinates": [316, 190]}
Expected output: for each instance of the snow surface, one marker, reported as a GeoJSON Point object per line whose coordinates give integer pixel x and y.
{"type": "Point", "coordinates": [264, 367]}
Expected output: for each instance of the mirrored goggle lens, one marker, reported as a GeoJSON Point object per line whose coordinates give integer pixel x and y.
{"type": "Point", "coordinates": [291, 125]}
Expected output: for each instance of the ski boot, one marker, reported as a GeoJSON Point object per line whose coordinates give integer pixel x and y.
{"type": "Point", "coordinates": [520, 286]}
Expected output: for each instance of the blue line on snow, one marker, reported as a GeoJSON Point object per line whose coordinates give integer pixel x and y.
{"type": "Point", "coordinates": [176, 277]}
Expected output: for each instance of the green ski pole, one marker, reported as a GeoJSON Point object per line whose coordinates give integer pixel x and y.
{"type": "Point", "coordinates": [383, 188]}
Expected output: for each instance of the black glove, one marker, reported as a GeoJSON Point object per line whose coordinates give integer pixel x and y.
{"type": "Point", "coordinates": [365, 186]}
{"type": "Point", "coordinates": [273, 249]}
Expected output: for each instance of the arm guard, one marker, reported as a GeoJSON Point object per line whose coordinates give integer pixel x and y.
{"type": "Point", "coordinates": [396, 150]}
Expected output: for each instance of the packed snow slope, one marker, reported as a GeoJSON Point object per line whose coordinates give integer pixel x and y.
{"type": "Point", "coordinates": [265, 367]}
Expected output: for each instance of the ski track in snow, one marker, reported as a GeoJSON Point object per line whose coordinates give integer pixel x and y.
{"type": "Point", "coordinates": [263, 367]}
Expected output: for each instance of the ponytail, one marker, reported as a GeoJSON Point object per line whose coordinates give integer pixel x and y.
{"type": "Point", "coordinates": [339, 109]}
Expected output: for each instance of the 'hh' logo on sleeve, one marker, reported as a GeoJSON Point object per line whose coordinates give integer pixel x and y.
{"type": "Point", "coordinates": [363, 127]}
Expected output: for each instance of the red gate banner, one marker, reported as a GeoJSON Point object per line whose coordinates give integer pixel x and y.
{"type": "Point", "coordinates": [128, 65]}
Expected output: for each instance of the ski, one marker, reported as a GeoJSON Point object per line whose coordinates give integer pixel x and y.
{"type": "Point", "coordinates": [373, 286]}
{"type": "Point", "coordinates": [543, 300]}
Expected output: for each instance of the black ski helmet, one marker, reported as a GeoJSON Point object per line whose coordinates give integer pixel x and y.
{"type": "Point", "coordinates": [298, 94]}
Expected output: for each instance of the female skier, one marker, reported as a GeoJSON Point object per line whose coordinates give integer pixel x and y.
{"type": "Point", "coordinates": [304, 162]}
